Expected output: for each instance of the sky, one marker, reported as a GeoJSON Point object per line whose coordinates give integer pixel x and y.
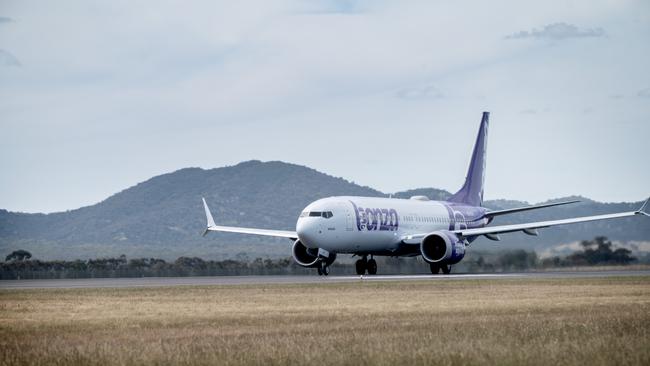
{"type": "Point", "coordinates": [97, 96]}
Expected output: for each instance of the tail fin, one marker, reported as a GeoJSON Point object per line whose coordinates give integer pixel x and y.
{"type": "Point", "coordinates": [472, 191]}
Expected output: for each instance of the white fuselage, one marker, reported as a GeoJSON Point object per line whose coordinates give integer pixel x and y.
{"type": "Point", "coordinates": [367, 225]}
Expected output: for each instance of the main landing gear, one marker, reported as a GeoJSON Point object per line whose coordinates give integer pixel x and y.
{"type": "Point", "coordinates": [435, 268]}
{"type": "Point", "coordinates": [362, 265]}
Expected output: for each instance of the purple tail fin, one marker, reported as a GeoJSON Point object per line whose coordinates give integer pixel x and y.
{"type": "Point", "coordinates": [472, 191]}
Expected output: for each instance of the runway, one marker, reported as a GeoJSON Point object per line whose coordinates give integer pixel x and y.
{"type": "Point", "coordinates": [270, 280]}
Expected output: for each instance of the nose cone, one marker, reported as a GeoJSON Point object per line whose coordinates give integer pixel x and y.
{"type": "Point", "coordinates": [307, 230]}
{"type": "Point", "coordinates": [309, 225]}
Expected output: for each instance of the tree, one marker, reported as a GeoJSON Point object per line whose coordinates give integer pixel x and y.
{"type": "Point", "coordinates": [599, 251]}
{"type": "Point", "coordinates": [518, 260]}
{"type": "Point", "coordinates": [18, 255]}
{"type": "Point", "coordinates": [193, 262]}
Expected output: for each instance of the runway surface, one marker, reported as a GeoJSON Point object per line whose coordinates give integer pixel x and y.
{"type": "Point", "coordinates": [268, 280]}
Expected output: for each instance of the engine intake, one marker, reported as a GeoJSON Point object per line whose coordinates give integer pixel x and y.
{"type": "Point", "coordinates": [442, 247]}
{"type": "Point", "coordinates": [306, 257]}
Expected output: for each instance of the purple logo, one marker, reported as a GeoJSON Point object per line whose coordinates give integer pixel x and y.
{"type": "Point", "coordinates": [376, 219]}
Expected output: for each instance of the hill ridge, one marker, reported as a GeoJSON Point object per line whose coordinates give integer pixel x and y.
{"type": "Point", "coordinates": [162, 216]}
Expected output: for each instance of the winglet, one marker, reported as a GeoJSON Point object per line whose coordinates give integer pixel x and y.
{"type": "Point", "coordinates": [641, 210]}
{"type": "Point", "coordinates": [208, 217]}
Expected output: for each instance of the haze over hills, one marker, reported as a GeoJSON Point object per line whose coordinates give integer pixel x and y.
{"type": "Point", "coordinates": [163, 216]}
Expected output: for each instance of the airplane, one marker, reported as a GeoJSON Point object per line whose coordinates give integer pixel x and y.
{"type": "Point", "coordinates": [439, 231]}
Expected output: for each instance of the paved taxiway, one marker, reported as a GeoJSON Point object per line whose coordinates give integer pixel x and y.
{"type": "Point", "coordinates": [268, 280]}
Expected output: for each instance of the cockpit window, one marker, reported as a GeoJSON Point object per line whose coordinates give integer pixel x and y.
{"type": "Point", "coordinates": [324, 214]}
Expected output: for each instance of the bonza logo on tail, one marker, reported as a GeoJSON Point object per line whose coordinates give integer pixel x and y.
{"type": "Point", "coordinates": [439, 231]}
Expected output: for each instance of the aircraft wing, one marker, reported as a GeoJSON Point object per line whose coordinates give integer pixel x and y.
{"type": "Point", "coordinates": [530, 226]}
{"type": "Point", "coordinates": [519, 209]}
{"type": "Point", "coordinates": [541, 224]}
{"type": "Point", "coordinates": [244, 230]}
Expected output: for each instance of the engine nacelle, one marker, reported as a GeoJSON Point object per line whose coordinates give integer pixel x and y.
{"type": "Point", "coordinates": [306, 257]}
{"type": "Point", "coordinates": [311, 257]}
{"type": "Point", "coordinates": [442, 247]}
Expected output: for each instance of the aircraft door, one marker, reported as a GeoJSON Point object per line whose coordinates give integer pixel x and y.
{"type": "Point", "coordinates": [349, 219]}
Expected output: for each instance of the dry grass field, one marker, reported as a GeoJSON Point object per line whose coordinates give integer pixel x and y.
{"type": "Point", "coordinates": [600, 321]}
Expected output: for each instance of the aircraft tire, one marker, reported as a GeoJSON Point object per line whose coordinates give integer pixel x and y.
{"type": "Point", "coordinates": [360, 266]}
{"type": "Point", "coordinates": [320, 271]}
{"type": "Point", "coordinates": [435, 269]}
{"type": "Point", "coordinates": [372, 267]}
{"type": "Point", "coordinates": [446, 269]}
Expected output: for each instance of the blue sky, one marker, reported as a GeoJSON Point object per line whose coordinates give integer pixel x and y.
{"type": "Point", "coordinates": [98, 96]}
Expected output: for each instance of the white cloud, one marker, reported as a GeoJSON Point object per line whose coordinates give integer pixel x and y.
{"type": "Point", "coordinates": [558, 31]}
{"type": "Point", "coordinates": [644, 93]}
{"type": "Point", "coordinates": [122, 91]}
{"type": "Point", "coordinates": [7, 59]}
{"type": "Point", "coordinates": [333, 6]}
{"type": "Point", "coordinates": [420, 92]}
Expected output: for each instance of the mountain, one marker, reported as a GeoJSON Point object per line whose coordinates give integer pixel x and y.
{"type": "Point", "coordinates": [163, 216]}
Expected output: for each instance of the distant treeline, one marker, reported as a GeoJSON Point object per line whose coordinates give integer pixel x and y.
{"type": "Point", "coordinates": [597, 252]}
{"type": "Point", "coordinates": [19, 264]}
{"type": "Point", "coordinates": [144, 267]}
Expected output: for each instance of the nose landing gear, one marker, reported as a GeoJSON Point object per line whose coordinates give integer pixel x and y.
{"type": "Point", "coordinates": [362, 265]}
{"type": "Point", "coordinates": [323, 269]}
{"type": "Point", "coordinates": [371, 267]}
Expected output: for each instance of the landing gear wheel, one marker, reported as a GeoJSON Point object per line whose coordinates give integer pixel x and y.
{"type": "Point", "coordinates": [360, 266]}
{"type": "Point", "coordinates": [372, 267]}
{"type": "Point", "coordinates": [446, 269]}
{"type": "Point", "coordinates": [320, 271]}
{"type": "Point", "coordinates": [326, 270]}
{"type": "Point", "coordinates": [435, 269]}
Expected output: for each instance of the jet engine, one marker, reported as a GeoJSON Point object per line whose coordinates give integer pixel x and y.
{"type": "Point", "coordinates": [442, 247]}
{"type": "Point", "coordinates": [311, 257]}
